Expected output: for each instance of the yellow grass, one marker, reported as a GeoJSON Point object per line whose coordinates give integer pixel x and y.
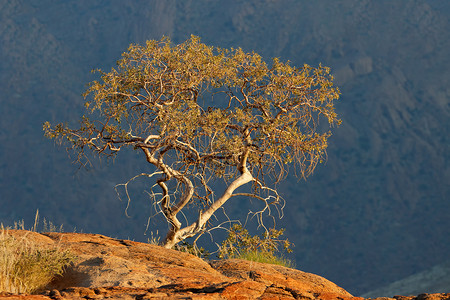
{"type": "Point", "coordinates": [267, 258]}
{"type": "Point", "coordinates": [26, 267]}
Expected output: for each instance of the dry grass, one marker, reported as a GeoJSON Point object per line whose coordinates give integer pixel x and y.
{"type": "Point", "coordinates": [262, 257]}
{"type": "Point", "coordinates": [26, 267]}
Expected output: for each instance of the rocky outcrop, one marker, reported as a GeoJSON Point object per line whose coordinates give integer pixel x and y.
{"type": "Point", "coordinates": [122, 269]}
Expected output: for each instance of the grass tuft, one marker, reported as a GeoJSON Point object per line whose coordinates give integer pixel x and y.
{"type": "Point", "coordinates": [264, 257]}
{"type": "Point", "coordinates": [26, 267]}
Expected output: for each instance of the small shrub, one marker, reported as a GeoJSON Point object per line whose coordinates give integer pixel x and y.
{"type": "Point", "coordinates": [240, 244]}
{"type": "Point", "coordinates": [25, 267]}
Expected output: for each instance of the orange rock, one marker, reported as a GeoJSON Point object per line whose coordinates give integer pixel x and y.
{"type": "Point", "coordinates": [121, 269]}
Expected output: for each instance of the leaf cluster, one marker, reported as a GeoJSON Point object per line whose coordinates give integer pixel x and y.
{"type": "Point", "coordinates": [201, 108]}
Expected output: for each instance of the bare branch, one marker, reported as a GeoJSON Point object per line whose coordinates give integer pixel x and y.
{"type": "Point", "coordinates": [200, 115]}
{"type": "Point", "coordinates": [125, 185]}
{"type": "Point", "coordinates": [150, 137]}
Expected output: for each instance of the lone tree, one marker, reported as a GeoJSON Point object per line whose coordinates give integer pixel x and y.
{"type": "Point", "coordinates": [201, 114]}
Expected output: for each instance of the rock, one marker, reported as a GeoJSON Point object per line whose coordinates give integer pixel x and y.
{"type": "Point", "coordinates": [123, 269]}
{"type": "Point", "coordinates": [8, 296]}
{"type": "Point", "coordinates": [104, 261]}
{"type": "Point", "coordinates": [293, 281]}
{"type": "Point", "coordinates": [434, 296]}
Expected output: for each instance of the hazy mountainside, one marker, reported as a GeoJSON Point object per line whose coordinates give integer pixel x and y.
{"type": "Point", "coordinates": [377, 209]}
{"type": "Point", "coordinates": [433, 280]}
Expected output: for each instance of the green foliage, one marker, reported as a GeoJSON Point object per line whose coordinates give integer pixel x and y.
{"type": "Point", "coordinates": [240, 244]}
{"type": "Point", "coordinates": [264, 257]}
{"type": "Point", "coordinates": [160, 89]}
{"type": "Point", "coordinates": [200, 113]}
{"type": "Point", "coordinates": [25, 267]}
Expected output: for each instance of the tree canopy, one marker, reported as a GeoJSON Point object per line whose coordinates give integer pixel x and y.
{"type": "Point", "coordinates": [200, 113]}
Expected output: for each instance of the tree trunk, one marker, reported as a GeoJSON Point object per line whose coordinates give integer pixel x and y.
{"type": "Point", "coordinates": [175, 235]}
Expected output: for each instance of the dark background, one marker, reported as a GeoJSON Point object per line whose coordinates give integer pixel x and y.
{"type": "Point", "coordinates": [377, 211]}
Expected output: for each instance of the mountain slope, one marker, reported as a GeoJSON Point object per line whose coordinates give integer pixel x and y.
{"type": "Point", "coordinates": [382, 194]}
{"type": "Point", "coordinates": [433, 280]}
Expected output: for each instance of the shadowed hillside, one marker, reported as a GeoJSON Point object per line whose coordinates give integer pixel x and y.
{"type": "Point", "coordinates": [376, 212]}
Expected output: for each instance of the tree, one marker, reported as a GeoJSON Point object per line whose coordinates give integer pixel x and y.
{"type": "Point", "coordinates": [199, 113]}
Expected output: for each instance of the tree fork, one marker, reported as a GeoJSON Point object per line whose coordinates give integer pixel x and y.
{"type": "Point", "coordinates": [161, 98]}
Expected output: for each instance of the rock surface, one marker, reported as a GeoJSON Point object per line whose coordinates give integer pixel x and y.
{"type": "Point", "coordinates": [123, 269]}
